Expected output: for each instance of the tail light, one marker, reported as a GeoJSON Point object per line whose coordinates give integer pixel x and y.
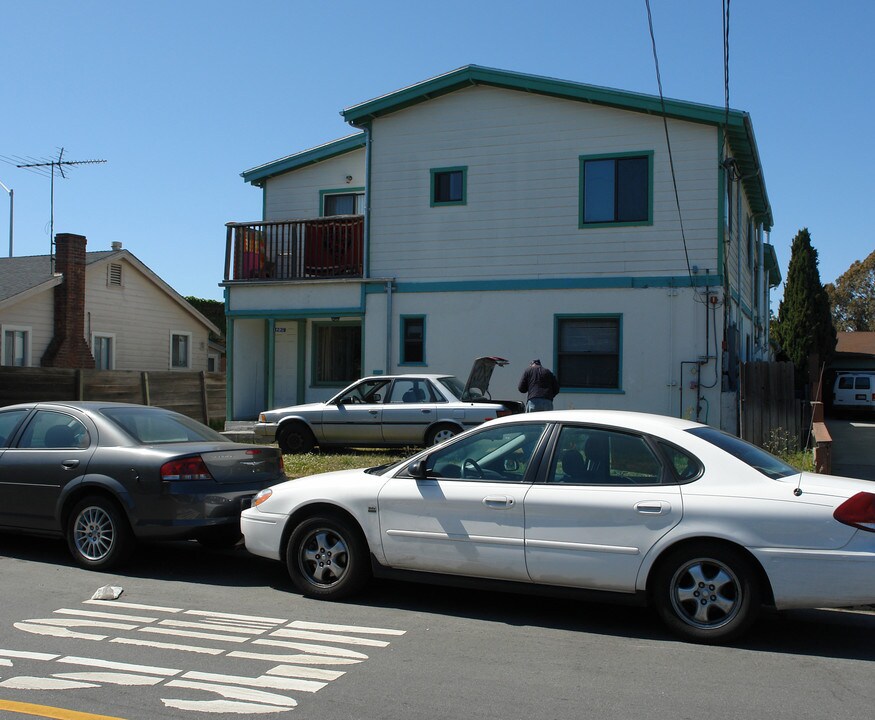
{"type": "Point", "coordinates": [190, 468]}
{"type": "Point", "coordinates": [857, 511]}
{"type": "Point", "coordinates": [503, 413]}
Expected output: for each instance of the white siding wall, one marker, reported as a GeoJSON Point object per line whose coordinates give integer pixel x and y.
{"type": "Point", "coordinates": [36, 313]}
{"type": "Point", "coordinates": [141, 316]}
{"type": "Point", "coordinates": [660, 328]}
{"type": "Point", "coordinates": [521, 218]}
{"type": "Point", "coordinates": [295, 195]}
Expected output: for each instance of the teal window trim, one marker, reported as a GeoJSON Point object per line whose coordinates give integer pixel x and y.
{"type": "Point", "coordinates": [437, 171]}
{"type": "Point", "coordinates": [403, 341]}
{"type": "Point", "coordinates": [590, 316]}
{"type": "Point", "coordinates": [337, 191]}
{"type": "Point", "coordinates": [314, 383]}
{"type": "Point", "coordinates": [616, 156]}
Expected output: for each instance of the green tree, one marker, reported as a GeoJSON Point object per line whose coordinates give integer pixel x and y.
{"type": "Point", "coordinates": [853, 297]}
{"type": "Point", "coordinates": [212, 310]}
{"type": "Point", "coordinates": [804, 324]}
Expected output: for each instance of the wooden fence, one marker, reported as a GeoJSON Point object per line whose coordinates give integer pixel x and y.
{"type": "Point", "coordinates": [199, 395]}
{"type": "Point", "coordinates": [770, 410]}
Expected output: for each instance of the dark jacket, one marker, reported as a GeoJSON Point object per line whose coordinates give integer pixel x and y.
{"type": "Point", "coordinates": [538, 382]}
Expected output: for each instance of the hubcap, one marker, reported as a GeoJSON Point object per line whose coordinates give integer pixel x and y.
{"type": "Point", "coordinates": [94, 533]}
{"type": "Point", "coordinates": [443, 436]}
{"type": "Point", "coordinates": [706, 594]}
{"type": "Point", "coordinates": [323, 557]}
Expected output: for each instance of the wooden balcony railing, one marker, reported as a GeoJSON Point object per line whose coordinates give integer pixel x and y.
{"type": "Point", "coordinates": [330, 247]}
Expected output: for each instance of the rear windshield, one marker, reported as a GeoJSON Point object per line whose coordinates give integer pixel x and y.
{"type": "Point", "coordinates": [150, 426]}
{"type": "Point", "coordinates": [453, 384]}
{"type": "Point", "coordinates": [756, 457]}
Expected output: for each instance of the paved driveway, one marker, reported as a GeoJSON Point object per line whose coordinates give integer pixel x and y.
{"type": "Point", "coordinates": [853, 446]}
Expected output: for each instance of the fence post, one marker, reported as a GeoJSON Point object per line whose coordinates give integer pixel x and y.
{"type": "Point", "coordinates": [144, 378]}
{"type": "Point", "coordinates": [204, 402]}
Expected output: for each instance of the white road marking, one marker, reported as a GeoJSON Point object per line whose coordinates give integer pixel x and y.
{"type": "Point", "coordinates": [56, 631]}
{"type": "Point", "coordinates": [131, 606]}
{"type": "Point", "coordinates": [211, 626]}
{"type": "Point", "coordinates": [312, 649]}
{"type": "Point", "coordinates": [76, 622]}
{"type": "Point", "coordinates": [127, 667]}
{"type": "Point", "coordinates": [305, 672]}
{"type": "Point", "coordinates": [346, 639]}
{"type": "Point", "coordinates": [105, 615]}
{"type": "Point", "coordinates": [25, 682]}
{"type": "Point", "coordinates": [232, 616]}
{"type": "Point", "coordinates": [27, 655]}
{"type": "Point", "coordinates": [223, 707]}
{"type": "Point", "coordinates": [5, 663]}
{"type": "Point", "coordinates": [192, 634]}
{"type": "Point", "coordinates": [236, 693]}
{"type": "Point", "coordinates": [277, 683]}
{"type": "Point", "coordinates": [304, 625]}
{"type": "Point", "coordinates": [168, 646]}
{"type": "Point", "coordinates": [301, 658]}
{"type": "Point", "coordinates": [111, 678]}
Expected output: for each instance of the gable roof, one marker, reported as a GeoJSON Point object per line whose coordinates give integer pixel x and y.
{"type": "Point", "coordinates": [855, 343]}
{"type": "Point", "coordinates": [735, 123]}
{"type": "Point", "coordinates": [258, 175]}
{"type": "Point", "coordinates": [21, 277]}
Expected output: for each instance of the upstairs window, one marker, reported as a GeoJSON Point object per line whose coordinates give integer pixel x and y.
{"type": "Point", "coordinates": [335, 202]}
{"type": "Point", "coordinates": [616, 190]}
{"type": "Point", "coordinates": [449, 186]}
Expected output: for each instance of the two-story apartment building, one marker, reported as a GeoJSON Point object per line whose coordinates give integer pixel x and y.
{"type": "Point", "coordinates": [618, 237]}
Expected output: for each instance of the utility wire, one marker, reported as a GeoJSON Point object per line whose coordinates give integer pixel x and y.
{"type": "Point", "coordinates": [668, 141]}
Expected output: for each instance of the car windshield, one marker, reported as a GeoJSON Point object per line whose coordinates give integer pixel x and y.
{"type": "Point", "coordinates": [150, 426]}
{"type": "Point", "coordinates": [756, 457]}
{"type": "Point", "coordinates": [454, 385]}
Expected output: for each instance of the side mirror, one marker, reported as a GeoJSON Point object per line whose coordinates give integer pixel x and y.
{"type": "Point", "coordinates": [417, 469]}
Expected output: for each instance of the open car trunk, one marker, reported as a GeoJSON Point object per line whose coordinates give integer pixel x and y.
{"type": "Point", "coordinates": [477, 386]}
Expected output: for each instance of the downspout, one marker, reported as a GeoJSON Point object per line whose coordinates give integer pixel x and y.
{"type": "Point", "coordinates": [366, 250]}
{"type": "Point", "coordinates": [389, 286]}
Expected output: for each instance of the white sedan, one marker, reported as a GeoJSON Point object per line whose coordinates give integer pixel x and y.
{"type": "Point", "coordinates": [697, 523]}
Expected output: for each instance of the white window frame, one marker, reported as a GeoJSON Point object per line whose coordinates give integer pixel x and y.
{"type": "Point", "coordinates": [28, 330]}
{"type": "Point", "coordinates": [111, 338]}
{"type": "Point", "coordinates": [189, 347]}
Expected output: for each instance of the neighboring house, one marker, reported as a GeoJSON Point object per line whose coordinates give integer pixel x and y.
{"type": "Point", "coordinates": [854, 351]}
{"type": "Point", "coordinates": [485, 212]}
{"type": "Point", "coordinates": [102, 309]}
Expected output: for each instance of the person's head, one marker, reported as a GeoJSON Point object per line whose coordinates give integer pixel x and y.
{"type": "Point", "coordinates": [536, 362]}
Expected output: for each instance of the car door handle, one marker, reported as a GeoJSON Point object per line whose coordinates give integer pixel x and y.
{"type": "Point", "coordinates": [374, 412]}
{"type": "Point", "coordinates": [498, 501]}
{"type": "Point", "coordinates": [70, 464]}
{"type": "Point", "coordinates": [651, 507]}
{"type": "Point", "coordinates": [425, 411]}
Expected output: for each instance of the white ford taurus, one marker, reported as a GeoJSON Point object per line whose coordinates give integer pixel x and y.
{"type": "Point", "coordinates": [703, 526]}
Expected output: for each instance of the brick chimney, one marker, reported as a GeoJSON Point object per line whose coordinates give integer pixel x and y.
{"type": "Point", "coordinates": [68, 347]}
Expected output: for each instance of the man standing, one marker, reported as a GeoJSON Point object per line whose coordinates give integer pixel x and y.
{"type": "Point", "coordinates": [540, 386]}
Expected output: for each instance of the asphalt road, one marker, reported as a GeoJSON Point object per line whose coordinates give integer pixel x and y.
{"type": "Point", "coordinates": [197, 634]}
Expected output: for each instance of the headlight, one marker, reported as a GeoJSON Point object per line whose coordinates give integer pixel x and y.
{"type": "Point", "coordinates": [261, 497]}
{"type": "Point", "coordinates": [262, 418]}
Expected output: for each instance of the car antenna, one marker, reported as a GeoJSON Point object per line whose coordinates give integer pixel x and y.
{"type": "Point", "coordinates": [798, 490]}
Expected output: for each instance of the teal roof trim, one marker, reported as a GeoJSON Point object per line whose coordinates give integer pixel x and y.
{"type": "Point", "coordinates": [257, 175]}
{"type": "Point", "coordinates": [770, 261]}
{"type": "Point", "coordinates": [739, 130]}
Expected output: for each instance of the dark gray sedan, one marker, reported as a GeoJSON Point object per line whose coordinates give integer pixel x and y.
{"type": "Point", "coordinates": [104, 475]}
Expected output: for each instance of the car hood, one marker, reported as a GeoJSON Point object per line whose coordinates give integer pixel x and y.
{"type": "Point", "coordinates": [294, 410]}
{"type": "Point", "coordinates": [477, 386]}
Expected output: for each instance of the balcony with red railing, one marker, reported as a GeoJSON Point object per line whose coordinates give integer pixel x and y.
{"type": "Point", "coordinates": [330, 247]}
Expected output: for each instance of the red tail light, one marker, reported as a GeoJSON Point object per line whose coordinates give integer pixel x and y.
{"type": "Point", "coordinates": [190, 468]}
{"type": "Point", "coordinates": [857, 511]}
{"type": "Point", "coordinates": [503, 413]}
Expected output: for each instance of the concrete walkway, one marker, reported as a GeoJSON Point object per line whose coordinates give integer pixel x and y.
{"type": "Point", "coordinates": [853, 446]}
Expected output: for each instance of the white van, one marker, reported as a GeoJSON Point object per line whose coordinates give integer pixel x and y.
{"type": "Point", "coordinates": [854, 390]}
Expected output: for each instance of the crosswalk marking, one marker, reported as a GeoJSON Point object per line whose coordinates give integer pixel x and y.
{"type": "Point", "coordinates": [300, 656]}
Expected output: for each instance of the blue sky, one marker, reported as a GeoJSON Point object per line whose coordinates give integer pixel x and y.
{"type": "Point", "coordinates": [180, 97]}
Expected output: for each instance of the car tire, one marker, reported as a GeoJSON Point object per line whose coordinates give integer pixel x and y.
{"type": "Point", "coordinates": [98, 533]}
{"type": "Point", "coordinates": [295, 438]}
{"type": "Point", "coordinates": [441, 433]}
{"type": "Point", "coordinates": [707, 593]}
{"type": "Point", "coordinates": [327, 558]}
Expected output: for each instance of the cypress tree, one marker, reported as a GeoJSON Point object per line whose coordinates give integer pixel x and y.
{"type": "Point", "coordinates": [804, 319]}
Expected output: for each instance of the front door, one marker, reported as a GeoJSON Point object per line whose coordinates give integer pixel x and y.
{"type": "Point", "coordinates": [466, 517]}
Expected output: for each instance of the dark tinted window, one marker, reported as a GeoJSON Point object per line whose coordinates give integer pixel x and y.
{"type": "Point", "coordinates": [756, 457]}
{"type": "Point", "coordinates": [8, 422]}
{"type": "Point", "coordinates": [54, 430]}
{"type": "Point", "coordinates": [150, 426]}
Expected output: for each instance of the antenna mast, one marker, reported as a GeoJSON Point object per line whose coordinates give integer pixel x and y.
{"type": "Point", "coordinates": [60, 163]}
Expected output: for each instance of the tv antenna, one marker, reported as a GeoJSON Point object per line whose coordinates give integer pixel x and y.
{"type": "Point", "coordinates": [60, 164]}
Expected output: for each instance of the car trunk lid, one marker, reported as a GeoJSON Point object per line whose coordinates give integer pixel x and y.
{"type": "Point", "coordinates": [244, 464]}
{"type": "Point", "coordinates": [477, 386]}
